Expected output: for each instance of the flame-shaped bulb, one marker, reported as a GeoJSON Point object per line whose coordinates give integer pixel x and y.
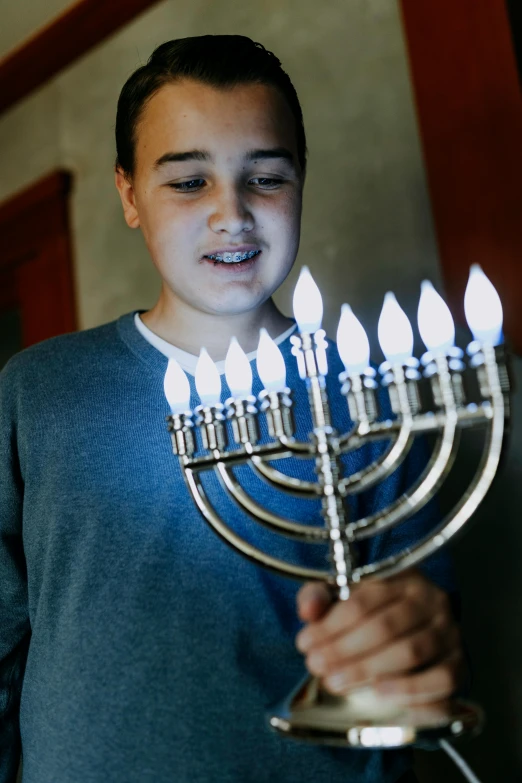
{"type": "Point", "coordinates": [434, 320]}
{"type": "Point", "coordinates": [270, 363]}
{"type": "Point", "coordinates": [238, 371]}
{"type": "Point", "coordinates": [177, 388]}
{"type": "Point", "coordinates": [352, 342]}
{"type": "Point", "coordinates": [483, 307]}
{"type": "Point", "coordinates": [394, 331]}
{"type": "Point", "coordinates": [208, 382]}
{"type": "Point", "coordinates": [307, 303]}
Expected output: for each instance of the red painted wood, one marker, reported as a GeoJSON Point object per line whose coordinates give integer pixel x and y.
{"type": "Point", "coordinates": [68, 37]}
{"type": "Point", "coordinates": [469, 107]}
{"type": "Point", "coordinates": [8, 291]}
{"type": "Point", "coordinates": [36, 270]}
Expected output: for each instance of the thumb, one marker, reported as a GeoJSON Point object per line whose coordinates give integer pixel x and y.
{"type": "Point", "coordinates": [313, 601]}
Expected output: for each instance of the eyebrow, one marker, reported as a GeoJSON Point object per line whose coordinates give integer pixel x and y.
{"type": "Point", "coordinates": [202, 155]}
{"type": "Point", "coordinates": [275, 152]}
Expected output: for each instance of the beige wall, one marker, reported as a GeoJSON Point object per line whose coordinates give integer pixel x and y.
{"type": "Point", "coordinates": [20, 19]}
{"type": "Point", "coordinates": [365, 198]}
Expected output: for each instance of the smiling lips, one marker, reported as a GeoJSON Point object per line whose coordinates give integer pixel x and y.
{"type": "Point", "coordinates": [229, 257]}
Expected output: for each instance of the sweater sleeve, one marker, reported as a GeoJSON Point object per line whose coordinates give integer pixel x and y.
{"type": "Point", "coordinates": [14, 615]}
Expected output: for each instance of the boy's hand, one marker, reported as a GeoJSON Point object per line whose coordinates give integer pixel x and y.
{"type": "Point", "coordinates": [398, 634]}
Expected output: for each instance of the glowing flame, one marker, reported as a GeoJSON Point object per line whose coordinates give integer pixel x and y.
{"type": "Point", "coordinates": [308, 303]}
{"type": "Point", "coordinates": [270, 363]}
{"type": "Point", "coordinates": [483, 307]}
{"type": "Point", "coordinates": [238, 371]}
{"type": "Point", "coordinates": [177, 388]}
{"type": "Point", "coordinates": [434, 319]}
{"type": "Point", "coordinates": [352, 342]}
{"type": "Point", "coordinates": [394, 331]}
{"type": "Point", "coordinates": [208, 382]}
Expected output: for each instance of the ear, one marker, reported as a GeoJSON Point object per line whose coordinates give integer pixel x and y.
{"type": "Point", "coordinates": [128, 198]}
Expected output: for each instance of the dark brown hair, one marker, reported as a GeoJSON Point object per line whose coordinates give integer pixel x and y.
{"type": "Point", "coordinates": [216, 60]}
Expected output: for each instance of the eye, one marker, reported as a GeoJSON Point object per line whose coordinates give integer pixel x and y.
{"type": "Point", "coordinates": [188, 186]}
{"type": "Point", "coordinates": [267, 183]}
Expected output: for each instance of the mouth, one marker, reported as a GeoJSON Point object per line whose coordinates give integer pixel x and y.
{"type": "Point", "coordinates": [234, 258]}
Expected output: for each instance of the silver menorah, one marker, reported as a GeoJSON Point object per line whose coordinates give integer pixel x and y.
{"type": "Point", "coordinates": [426, 397]}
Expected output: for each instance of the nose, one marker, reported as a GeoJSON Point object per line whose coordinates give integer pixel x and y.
{"type": "Point", "coordinates": [230, 212]}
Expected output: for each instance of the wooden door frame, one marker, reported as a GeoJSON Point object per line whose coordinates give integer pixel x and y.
{"type": "Point", "coordinates": [469, 107]}
{"type": "Point", "coordinates": [85, 24]}
{"type": "Point", "coordinates": [36, 264]}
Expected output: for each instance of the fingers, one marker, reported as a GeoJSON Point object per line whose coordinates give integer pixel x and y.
{"type": "Point", "coordinates": [313, 601]}
{"type": "Point", "coordinates": [393, 622]}
{"type": "Point", "coordinates": [434, 684]}
{"type": "Point", "coordinates": [398, 634]}
{"type": "Point", "coordinates": [420, 600]}
{"type": "Point", "coordinates": [403, 656]}
{"type": "Point", "coordinates": [346, 615]}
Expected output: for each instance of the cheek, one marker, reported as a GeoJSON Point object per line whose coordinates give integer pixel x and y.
{"type": "Point", "coordinates": [165, 227]}
{"type": "Point", "coordinates": [284, 218]}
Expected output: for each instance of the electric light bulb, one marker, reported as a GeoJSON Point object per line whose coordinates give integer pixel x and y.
{"type": "Point", "coordinates": [177, 388]}
{"type": "Point", "coordinates": [394, 331]}
{"type": "Point", "coordinates": [238, 371]}
{"type": "Point", "coordinates": [270, 363]}
{"type": "Point", "coordinates": [307, 303]}
{"type": "Point", "coordinates": [483, 307]}
{"type": "Point", "coordinates": [434, 320]}
{"type": "Point", "coordinates": [208, 382]}
{"type": "Point", "coordinates": [352, 342]}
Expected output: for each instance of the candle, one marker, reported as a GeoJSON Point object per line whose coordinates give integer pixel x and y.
{"type": "Point", "coordinates": [270, 363]}
{"type": "Point", "coordinates": [434, 319]}
{"type": "Point", "coordinates": [238, 371]}
{"type": "Point", "coordinates": [176, 387]}
{"type": "Point", "coordinates": [352, 342]}
{"type": "Point", "coordinates": [307, 303]}
{"type": "Point", "coordinates": [483, 308]}
{"type": "Point", "coordinates": [208, 382]}
{"type": "Point", "coordinates": [394, 331]}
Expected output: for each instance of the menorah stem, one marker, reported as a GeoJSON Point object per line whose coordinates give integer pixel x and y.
{"type": "Point", "coordinates": [341, 543]}
{"type": "Point", "coordinates": [318, 401]}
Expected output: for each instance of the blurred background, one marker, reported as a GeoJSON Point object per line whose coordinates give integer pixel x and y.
{"type": "Point", "coordinates": [413, 114]}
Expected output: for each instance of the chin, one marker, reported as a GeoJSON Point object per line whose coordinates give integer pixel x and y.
{"type": "Point", "coordinates": [235, 302]}
{"type": "Point", "coordinates": [235, 309]}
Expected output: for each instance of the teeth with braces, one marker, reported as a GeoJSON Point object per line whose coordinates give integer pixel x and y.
{"type": "Point", "coordinates": [233, 258]}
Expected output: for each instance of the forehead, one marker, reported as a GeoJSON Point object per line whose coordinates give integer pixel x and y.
{"type": "Point", "coordinates": [188, 114]}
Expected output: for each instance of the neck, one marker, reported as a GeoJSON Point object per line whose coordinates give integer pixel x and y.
{"type": "Point", "coordinates": [192, 331]}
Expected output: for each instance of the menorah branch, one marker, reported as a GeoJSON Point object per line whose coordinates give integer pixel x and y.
{"type": "Point", "coordinates": [455, 520]}
{"type": "Point", "coordinates": [419, 494]}
{"type": "Point", "coordinates": [249, 551]}
{"type": "Point", "coordinates": [270, 520]}
{"type": "Point", "coordinates": [280, 480]}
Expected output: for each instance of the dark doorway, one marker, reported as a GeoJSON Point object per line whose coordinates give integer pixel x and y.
{"type": "Point", "coordinates": [37, 293]}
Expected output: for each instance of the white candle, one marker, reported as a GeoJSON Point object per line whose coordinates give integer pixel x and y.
{"type": "Point", "coordinates": [352, 342]}
{"type": "Point", "coordinates": [238, 371]}
{"type": "Point", "coordinates": [307, 303]}
{"type": "Point", "coordinates": [208, 382]}
{"type": "Point", "coordinates": [394, 331]}
{"type": "Point", "coordinates": [270, 363]}
{"type": "Point", "coordinates": [176, 387]}
{"type": "Point", "coordinates": [434, 319]}
{"type": "Point", "coordinates": [483, 307]}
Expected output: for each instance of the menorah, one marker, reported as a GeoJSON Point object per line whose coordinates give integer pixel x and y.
{"type": "Point", "coordinates": [430, 396]}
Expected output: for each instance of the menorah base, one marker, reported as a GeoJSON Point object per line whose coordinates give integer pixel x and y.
{"type": "Point", "coordinates": [311, 713]}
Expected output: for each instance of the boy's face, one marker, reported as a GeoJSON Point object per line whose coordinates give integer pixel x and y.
{"type": "Point", "coordinates": [216, 171]}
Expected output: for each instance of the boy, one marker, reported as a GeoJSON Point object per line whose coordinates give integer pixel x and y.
{"type": "Point", "coordinates": [134, 646]}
